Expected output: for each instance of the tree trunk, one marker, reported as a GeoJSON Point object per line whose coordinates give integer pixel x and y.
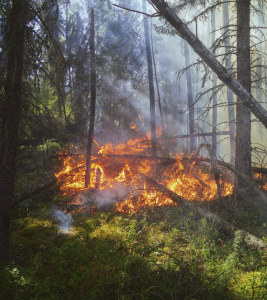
{"type": "Point", "coordinates": [230, 95]}
{"type": "Point", "coordinates": [159, 99]}
{"type": "Point", "coordinates": [243, 118]}
{"type": "Point", "coordinates": [214, 83]}
{"type": "Point", "coordinates": [151, 85]}
{"type": "Point", "coordinates": [58, 87]}
{"type": "Point", "coordinates": [93, 101]}
{"type": "Point", "coordinates": [265, 61]}
{"type": "Point", "coordinates": [14, 39]}
{"type": "Point", "coordinates": [259, 69]}
{"type": "Point", "coordinates": [190, 100]}
{"type": "Point", "coordinates": [247, 99]}
{"type": "Point", "coordinates": [259, 54]}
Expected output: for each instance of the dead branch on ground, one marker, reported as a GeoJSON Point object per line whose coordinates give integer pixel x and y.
{"type": "Point", "coordinates": [248, 238]}
{"type": "Point", "coordinates": [22, 197]}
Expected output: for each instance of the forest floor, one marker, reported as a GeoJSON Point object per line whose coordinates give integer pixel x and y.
{"type": "Point", "coordinates": [156, 253]}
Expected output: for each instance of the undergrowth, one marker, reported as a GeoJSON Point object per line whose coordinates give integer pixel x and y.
{"type": "Point", "coordinates": [160, 253]}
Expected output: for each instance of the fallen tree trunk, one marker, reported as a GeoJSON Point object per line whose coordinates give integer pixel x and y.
{"type": "Point", "coordinates": [248, 100]}
{"type": "Point", "coordinates": [22, 197]}
{"type": "Point", "coordinates": [248, 238]}
{"type": "Point", "coordinates": [145, 157]}
{"type": "Point", "coordinates": [196, 135]}
{"type": "Point", "coordinates": [259, 170]}
{"type": "Point", "coordinates": [162, 159]}
{"type": "Point", "coordinates": [174, 160]}
{"type": "Point", "coordinates": [226, 165]}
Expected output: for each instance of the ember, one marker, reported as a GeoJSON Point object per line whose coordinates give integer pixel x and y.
{"type": "Point", "coordinates": [125, 163]}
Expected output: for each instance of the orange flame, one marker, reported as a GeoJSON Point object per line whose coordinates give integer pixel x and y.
{"type": "Point", "coordinates": [190, 183]}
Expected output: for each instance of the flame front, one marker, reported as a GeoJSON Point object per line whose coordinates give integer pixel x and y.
{"type": "Point", "coordinates": [124, 163]}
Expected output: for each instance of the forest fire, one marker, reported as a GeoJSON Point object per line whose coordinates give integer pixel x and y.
{"type": "Point", "coordinates": [127, 164]}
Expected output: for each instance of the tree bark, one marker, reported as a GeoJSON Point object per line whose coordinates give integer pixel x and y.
{"type": "Point", "coordinates": [58, 87]}
{"type": "Point", "coordinates": [230, 95]}
{"type": "Point", "coordinates": [265, 60]}
{"type": "Point", "coordinates": [190, 100]}
{"type": "Point", "coordinates": [260, 51]}
{"type": "Point", "coordinates": [259, 69]}
{"type": "Point", "coordinates": [247, 99]}
{"type": "Point", "coordinates": [14, 39]}
{"type": "Point", "coordinates": [93, 101]}
{"type": "Point", "coordinates": [214, 83]}
{"type": "Point", "coordinates": [243, 117]}
{"type": "Point", "coordinates": [151, 85]}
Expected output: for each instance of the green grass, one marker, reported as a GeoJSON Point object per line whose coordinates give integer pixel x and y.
{"type": "Point", "coordinates": [160, 253]}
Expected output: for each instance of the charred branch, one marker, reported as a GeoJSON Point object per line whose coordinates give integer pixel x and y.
{"type": "Point", "coordinates": [199, 134]}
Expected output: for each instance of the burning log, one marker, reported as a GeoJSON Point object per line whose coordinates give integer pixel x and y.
{"type": "Point", "coordinates": [215, 170]}
{"type": "Point", "coordinates": [250, 182]}
{"type": "Point", "coordinates": [174, 160]}
{"type": "Point", "coordinates": [144, 157]}
{"type": "Point", "coordinates": [98, 178]}
{"type": "Point", "coordinates": [201, 182]}
{"type": "Point", "coordinates": [197, 160]}
{"type": "Point", "coordinates": [259, 170]}
{"type": "Point", "coordinates": [24, 196]}
{"type": "Point", "coordinates": [147, 157]}
{"type": "Point", "coordinates": [248, 238]}
{"type": "Point", "coordinates": [126, 156]}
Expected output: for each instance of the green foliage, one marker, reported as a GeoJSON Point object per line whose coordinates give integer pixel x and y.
{"type": "Point", "coordinates": [50, 147]}
{"type": "Point", "coordinates": [161, 253]}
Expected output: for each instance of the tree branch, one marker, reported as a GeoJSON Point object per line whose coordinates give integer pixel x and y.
{"type": "Point", "coordinates": [248, 100]}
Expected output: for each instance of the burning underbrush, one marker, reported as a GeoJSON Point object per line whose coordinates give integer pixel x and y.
{"type": "Point", "coordinates": [119, 175]}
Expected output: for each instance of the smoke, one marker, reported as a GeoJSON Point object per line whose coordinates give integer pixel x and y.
{"type": "Point", "coordinates": [112, 195]}
{"type": "Point", "coordinates": [103, 198]}
{"type": "Point", "coordinates": [64, 221]}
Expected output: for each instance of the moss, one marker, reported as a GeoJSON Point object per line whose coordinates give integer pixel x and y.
{"type": "Point", "coordinates": [159, 254]}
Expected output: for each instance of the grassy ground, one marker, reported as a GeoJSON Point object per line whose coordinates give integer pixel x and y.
{"type": "Point", "coordinates": [160, 253]}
